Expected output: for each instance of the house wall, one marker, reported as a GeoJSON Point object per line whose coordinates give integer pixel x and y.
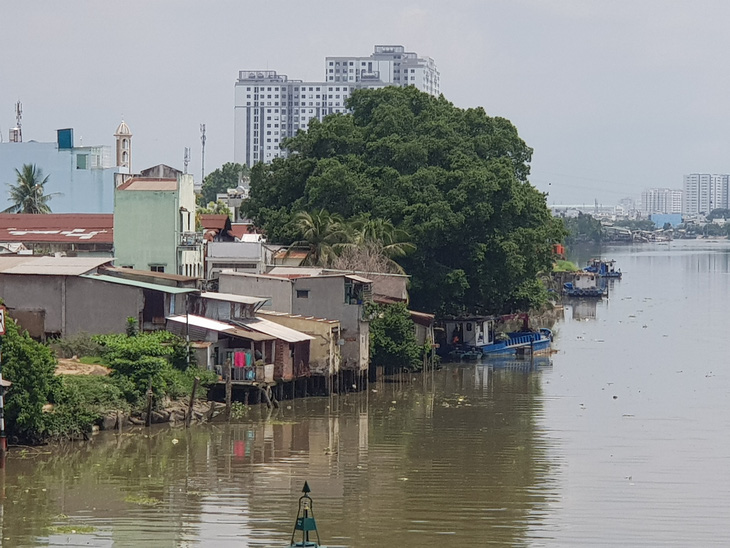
{"type": "Point", "coordinates": [324, 352]}
{"type": "Point", "coordinates": [100, 307]}
{"type": "Point", "coordinates": [278, 290]}
{"type": "Point", "coordinates": [144, 229]}
{"type": "Point", "coordinates": [326, 299]}
{"type": "Point", "coordinates": [35, 293]}
{"type": "Point", "coordinates": [70, 304]}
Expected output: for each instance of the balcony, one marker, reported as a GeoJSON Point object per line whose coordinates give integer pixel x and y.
{"type": "Point", "coordinates": [190, 240]}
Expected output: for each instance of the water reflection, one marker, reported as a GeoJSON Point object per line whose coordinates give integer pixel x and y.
{"type": "Point", "coordinates": [455, 453]}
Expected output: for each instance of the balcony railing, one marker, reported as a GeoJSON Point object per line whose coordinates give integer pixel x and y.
{"type": "Point", "coordinates": [191, 239]}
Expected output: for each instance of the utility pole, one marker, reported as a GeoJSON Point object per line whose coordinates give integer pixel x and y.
{"type": "Point", "coordinates": [202, 157]}
{"type": "Point", "coordinates": [186, 159]}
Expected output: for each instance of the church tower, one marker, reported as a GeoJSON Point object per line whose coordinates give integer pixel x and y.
{"type": "Point", "coordinates": [124, 148]}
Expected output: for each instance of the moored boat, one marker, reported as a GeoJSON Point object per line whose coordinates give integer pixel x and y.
{"type": "Point", "coordinates": [584, 284]}
{"type": "Point", "coordinates": [479, 333]}
{"type": "Point", "coordinates": [605, 269]}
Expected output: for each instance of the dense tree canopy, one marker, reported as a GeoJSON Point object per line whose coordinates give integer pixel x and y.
{"type": "Point", "coordinates": [454, 180]}
{"type": "Point", "coordinates": [227, 176]}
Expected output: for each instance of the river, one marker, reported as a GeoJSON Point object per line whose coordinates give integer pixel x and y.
{"type": "Point", "coordinates": [617, 439]}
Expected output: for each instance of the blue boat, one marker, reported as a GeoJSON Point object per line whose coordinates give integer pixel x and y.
{"type": "Point", "coordinates": [478, 332]}
{"type": "Point", "coordinates": [605, 269]}
{"type": "Point", "coordinates": [584, 284]}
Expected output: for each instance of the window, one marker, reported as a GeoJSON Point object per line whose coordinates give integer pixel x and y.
{"type": "Point", "coordinates": [157, 268]}
{"type": "Point", "coordinates": [302, 293]}
{"type": "Point", "coordinates": [82, 161]}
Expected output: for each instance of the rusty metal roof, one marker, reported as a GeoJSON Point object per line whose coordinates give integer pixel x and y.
{"type": "Point", "coordinates": [57, 227]}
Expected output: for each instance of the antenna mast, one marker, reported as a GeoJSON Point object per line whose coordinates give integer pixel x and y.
{"type": "Point", "coordinates": [16, 134]}
{"type": "Point", "coordinates": [186, 159]}
{"type": "Point", "coordinates": [202, 158]}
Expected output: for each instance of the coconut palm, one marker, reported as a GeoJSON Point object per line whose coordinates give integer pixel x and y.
{"type": "Point", "coordinates": [28, 194]}
{"type": "Point", "coordinates": [382, 232]}
{"type": "Point", "coordinates": [321, 233]}
{"type": "Point", "coordinates": [372, 246]}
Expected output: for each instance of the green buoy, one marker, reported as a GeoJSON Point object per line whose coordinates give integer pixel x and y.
{"type": "Point", "coordinates": [305, 522]}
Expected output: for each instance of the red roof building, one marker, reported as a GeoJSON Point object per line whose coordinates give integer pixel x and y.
{"type": "Point", "coordinates": [59, 232]}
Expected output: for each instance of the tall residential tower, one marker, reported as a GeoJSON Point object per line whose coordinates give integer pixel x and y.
{"type": "Point", "coordinates": [270, 107]}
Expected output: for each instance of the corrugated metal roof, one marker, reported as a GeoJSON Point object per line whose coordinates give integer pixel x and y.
{"type": "Point", "coordinates": [57, 227]}
{"type": "Point", "coordinates": [127, 272]}
{"type": "Point", "coordinates": [51, 266]}
{"type": "Point", "coordinates": [275, 330]}
{"type": "Point", "coordinates": [230, 297]}
{"type": "Point", "coordinates": [295, 271]}
{"type": "Point", "coordinates": [220, 327]}
{"type": "Point", "coordinates": [136, 283]}
{"type": "Point", "coordinates": [295, 316]}
{"type": "Point", "coordinates": [356, 278]}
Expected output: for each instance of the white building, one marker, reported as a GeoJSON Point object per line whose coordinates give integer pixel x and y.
{"type": "Point", "coordinates": [704, 192]}
{"type": "Point", "coordinates": [390, 64]}
{"type": "Point", "coordinates": [270, 107]}
{"type": "Point", "coordinates": [661, 200]}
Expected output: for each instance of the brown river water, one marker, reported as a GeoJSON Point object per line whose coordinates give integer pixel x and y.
{"type": "Point", "coordinates": [620, 438]}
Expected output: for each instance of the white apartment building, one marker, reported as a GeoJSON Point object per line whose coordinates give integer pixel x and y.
{"type": "Point", "coordinates": [661, 200]}
{"type": "Point", "coordinates": [390, 64]}
{"type": "Point", "coordinates": [270, 107]}
{"type": "Point", "coordinates": [704, 192]}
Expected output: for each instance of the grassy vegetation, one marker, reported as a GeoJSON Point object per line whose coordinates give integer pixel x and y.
{"type": "Point", "coordinates": [565, 266]}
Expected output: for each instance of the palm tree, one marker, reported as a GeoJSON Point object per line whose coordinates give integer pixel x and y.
{"type": "Point", "coordinates": [372, 245]}
{"type": "Point", "coordinates": [382, 232]}
{"type": "Point", "coordinates": [321, 233]}
{"type": "Point", "coordinates": [28, 194]}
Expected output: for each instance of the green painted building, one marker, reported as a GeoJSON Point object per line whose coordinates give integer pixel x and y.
{"type": "Point", "coordinates": [154, 225]}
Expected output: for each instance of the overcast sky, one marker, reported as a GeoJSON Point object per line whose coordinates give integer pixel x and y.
{"type": "Point", "coordinates": [613, 96]}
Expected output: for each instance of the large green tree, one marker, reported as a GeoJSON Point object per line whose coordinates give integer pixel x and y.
{"type": "Point", "coordinates": [30, 366]}
{"type": "Point", "coordinates": [229, 175]}
{"type": "Point", "coordinates": [454, 179]}
{"type": "Point", "coordinates": [28, 194]}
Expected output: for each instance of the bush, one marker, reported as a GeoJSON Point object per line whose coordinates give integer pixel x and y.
{"type": "Point", "coordinates": [392, 337]}
{"type": "Point", "coordinates": [159, 357]}
{"type": "Point", "coordinates": [30, 366]}
{"type": "Point", "coordinates": [81, 344]}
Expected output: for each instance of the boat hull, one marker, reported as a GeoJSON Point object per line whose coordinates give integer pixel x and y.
{"type": "Point", "coordinates": [522, 342]}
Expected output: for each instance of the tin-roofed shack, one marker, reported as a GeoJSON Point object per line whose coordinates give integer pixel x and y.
{"type": "Point", "coordinates": [62, 296]}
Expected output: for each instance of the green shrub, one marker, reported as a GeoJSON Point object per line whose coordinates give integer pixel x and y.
{"type": "Point", "coordinates": [392, 337]}
{"type": "Point", "coordinates": [81, 344]}
{"type": "Point", "coordinates": [30, 366]}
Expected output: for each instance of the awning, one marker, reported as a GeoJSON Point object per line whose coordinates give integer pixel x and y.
{"type": "Point", "coordinates": [142, 285]}
{"type": "Point", "coordinates": [221, 327]}
{"type": "Point", "coordinates": [273, 329]}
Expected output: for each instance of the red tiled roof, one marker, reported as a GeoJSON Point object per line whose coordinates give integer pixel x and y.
{"type": "Point", "coordinates": [240, 229]}
{"type": "Point", "coordinates": [57, 227]}
{"type": "Point", "coordinates": [213, 222]}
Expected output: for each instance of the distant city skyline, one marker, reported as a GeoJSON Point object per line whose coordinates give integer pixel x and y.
{"type": "Point", "coordinates": [613, 97]}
